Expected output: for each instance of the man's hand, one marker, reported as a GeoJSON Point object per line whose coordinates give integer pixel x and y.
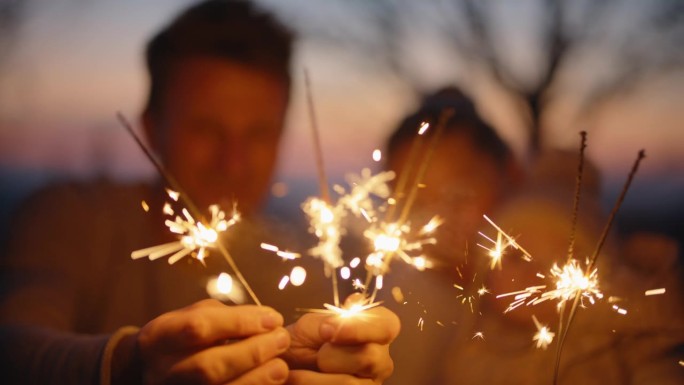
{"type": "Point", "coordinates": [211, 343]}
{"type": "Point", "coordinates": [328, 349]}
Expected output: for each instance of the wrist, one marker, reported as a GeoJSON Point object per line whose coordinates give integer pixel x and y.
{"type": "Point", "coordinates": [121, 362]}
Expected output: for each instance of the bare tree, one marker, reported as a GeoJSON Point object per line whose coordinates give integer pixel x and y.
{"type": "Point", "coordinates": [564, 31]}
{"type": "Point", "coordinates": [11, 14]}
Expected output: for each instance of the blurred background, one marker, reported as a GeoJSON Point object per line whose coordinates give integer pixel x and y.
{"type": "Point", "coordinates": [540, 71]}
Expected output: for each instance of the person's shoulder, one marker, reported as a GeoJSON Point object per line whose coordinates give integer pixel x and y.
{"type": "Point", "coordinates": [84, 192]}
{"type": "Point", "coordinates": [75, 198]}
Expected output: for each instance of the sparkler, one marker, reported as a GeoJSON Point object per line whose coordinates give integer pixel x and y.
{"type": "Point", "coordinates": [572, 281]}
{"type": "Point", "coordinates": [503, 241]}
{"type": "Point", "coordinates": [194, 236]}
{"type": "Point", "coordinates": [390, 237]}
{"type": "Point", "coordinates": [195, 232]}
{"type": "Point", "coordinates": [592, 261]}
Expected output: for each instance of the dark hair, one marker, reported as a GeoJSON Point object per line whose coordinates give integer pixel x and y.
{"type": "Point", "coordinates": [232, 29]}
{"type": "Point", "coordinates": [464, 120]}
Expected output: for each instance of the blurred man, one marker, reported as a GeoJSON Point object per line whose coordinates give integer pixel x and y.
{"type": "Point", "coordinates": [219, 89]}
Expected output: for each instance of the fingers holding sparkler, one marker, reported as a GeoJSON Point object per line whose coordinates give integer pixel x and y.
{"type": "Point", "coordinates": [189, 345]}
{"type": "Point", "coordinates": [356, 345]}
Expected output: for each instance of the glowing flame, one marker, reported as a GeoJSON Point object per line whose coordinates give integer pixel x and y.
{"type": "Point", "coordinates": [194, 236]}
{"type": "Point", "coordinates": [571, 280]}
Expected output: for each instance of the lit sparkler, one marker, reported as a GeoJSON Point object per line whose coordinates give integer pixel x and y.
{"type": "Point", "coordinates": [195, 237]}
{"type": "Point", "coordinates": [392, 239]}
{"type": "Point", "coordinates": [350, 309]}
{"type": "Point", "coordinates": [571, 282]}
{"type": "Point", "coordinates": [503, 241]}
{"type": "Point", "coordinates": [195, 232]}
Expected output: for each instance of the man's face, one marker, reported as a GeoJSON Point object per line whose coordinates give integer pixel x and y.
{"type": "Point", "coordinates": [218, 128]}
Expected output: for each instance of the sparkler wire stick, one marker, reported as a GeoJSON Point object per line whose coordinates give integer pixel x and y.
{"type": "Point", "coordinates": [171, 181]}
{"type": "Point", "coordinates": [511, 240]}
{"type": "Point", "coordinates": [578, 192]}
{"type": "Point", "coordinates": [594, 257]}
{"type": "Point", "coordinates": [443, 119]}
{"type": "Point", "coordinates": [571, 245]}
{"type": "Point", "coordinates": [406, 209]}
{"type": "Point", "coordinates": [404, 177]}
{"type": "Point", "coordinates": [168, 178]}
{"type": "Point", "coordinates": [322, 179]}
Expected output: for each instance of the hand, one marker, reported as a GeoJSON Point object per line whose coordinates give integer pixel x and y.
{"type": "Point", "coordinates": [191, 345]}
{"type": "Point", "coordinates": [328, 349]}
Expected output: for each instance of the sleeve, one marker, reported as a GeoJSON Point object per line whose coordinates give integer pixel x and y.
{"type": "Point", "coordinates": [41, 300]}
{"type": "Point", "coordinates": [39, 355]}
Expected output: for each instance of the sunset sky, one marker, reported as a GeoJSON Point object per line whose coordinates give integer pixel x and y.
{"type": "Point", "coordinates": [72, 64]}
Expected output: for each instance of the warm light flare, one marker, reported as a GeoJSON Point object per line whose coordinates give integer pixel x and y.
{"type": "Point", "coordinates": [194, 237]}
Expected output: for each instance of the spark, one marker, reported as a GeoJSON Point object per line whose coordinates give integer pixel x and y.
{"type": "Point", "coordinates": [432, 225]}
{"type": "Point", "coordinates": [358, 285]}
{"type": "Point", "coordinates": [285, 255]}
{"type": "Point", "coordinates": [224, 283]}
{"type": "Point", "coordinates": [193, 236]}
{"type": "Point", "coordinates": [345, 273]}
{"type": "Point", "coordinates": [269, 247]}
{"type": "Point", "coordinates": [167, 209]}
{"type": "Point", "coordinates": [619, 310]}
{"type": "Point", "coordinates": [355, 262]}
{"type": "Point", "coordinates": [521, 296]}
{"type": "Point", "coordinates": [479, 335]}
{"type": "Point", "coordinates": [482, 291]}
{"type": "Point", "coordinates": [397, 294]}
{"type": "Point", "coordinates": [503, 241]}
{"type": "Point", "coordinates": [297, 276]}
{"type": "Point", "coordinates": [325, 224]}
{"type": "Point", "coordinates": [379, 282]}
{"type": "Point", "coordinates": [364, 186]}
{"type": "Point", "coordinates": [283, 282]}
{"type": "Point", "coordinates": [421, 263]}
{"type": "Point", "coordinates": [655, 291]}
{"type": "Point", "coordinates": [392, 239]}
{"type": "Point", "coordinates": [174, 195]}
{"type": "Point", "coordinates": [421, 322]}
{"type": "Point", "coordinates": [377, 155]}
{"type": "Point", "coordinates": [145, 206]}
{"type": "Point", "coordinates": [224, 288]}
{"type": "Point", "coordinates": [572, 280]}
{"type": "Point", "coordinates": [543, 336]}
{"type": "Point", "coordinates": [423, 128]}
{"type": "Point", "coordinates": [348, 310]}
